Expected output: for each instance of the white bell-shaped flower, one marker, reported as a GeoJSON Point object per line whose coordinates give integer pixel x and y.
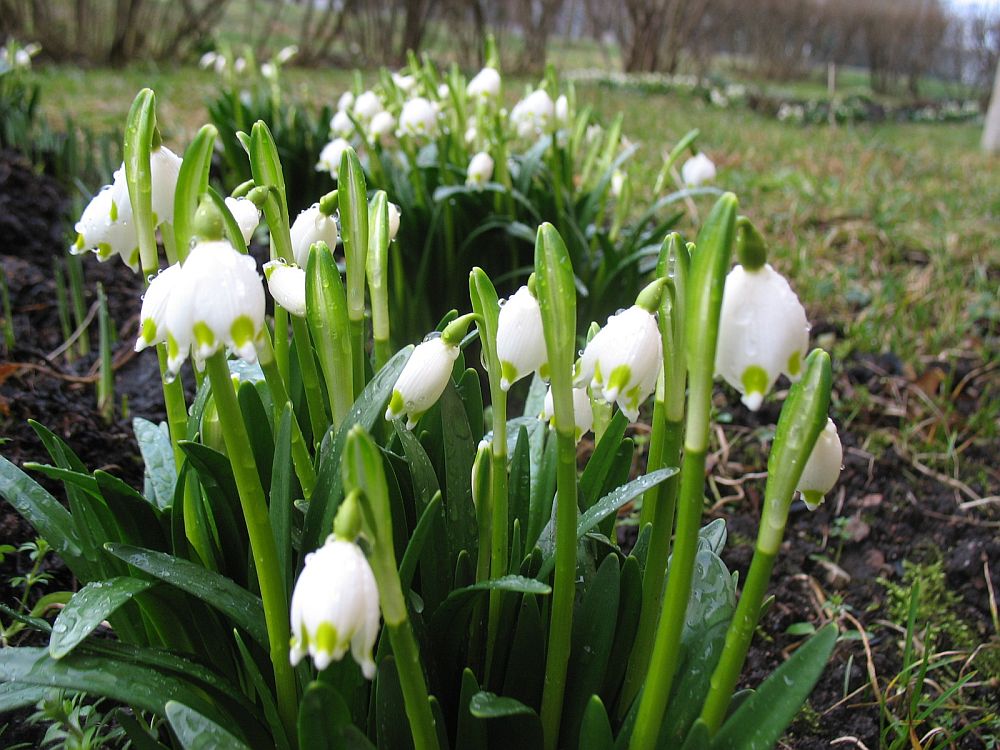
{"type": "Point", "coordinates": [381, 126]}
{"type": "Point", "coordinates": [287, 284]}
{"type": "Point", "coordinates": [534, 114]}
{"type": "Point", "coordinates": [152, 316]}
{"type": "Point", "coordinates": [622, 361]}
{"type": "Point", "coordinates": [247, 215]}
{"type": "Point", "coordinates": [106, 227]}
{"type": "Point", "coordinates": [366, 106]}
{"type": "Point", "coordinates": [404, 83]}
{"type": "Point", "coordinates": [617, 183]}
{"type": "Point", "coordinates": [422, 381]}
{"type": "Point", "coordinates": [583, 411]}
{"type": "Point", "coordinates": [329, 157]}
{"type": "Point", "coordinates": [164, 167]}
{"type": "Point", "coordinates": [562, 111]}
{"type": "Point", "coordinates": [394, 217]}
{"type": "Point", "coordinates": [286, 53]}
{"type": "Point", "coordinates": [763, 332]}
{"type": "Point", "coordinates": [698, 170]}
{"type": "Point", "coordinates": [346, 101]}
{"type": "Point", "coordinates": [218, 301]}
{"type": "Point", "coordinates": [341, 124]}
{"type": "Point", "coordinates": [335, 606]}
{"type": "Point", "coordinates": [419, 118]}
{"type": "Point", "coordinates": [520, 339]}
{"type": "Point", "coordinates": [310, 226]}
{"type": "Point", "coordinates": [822, 470]}
{"type": "Point", "coordinates": [443, 91]}
{"type": "Point", "coordinates": [480, 169]}
{"type": "Point", "coordinates": [484, 85]}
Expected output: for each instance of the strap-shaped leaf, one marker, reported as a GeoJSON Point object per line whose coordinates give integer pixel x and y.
{"type": "Point", "coordinates": [158, 457]}
{"type": "Point", "coordinates": [88, 608]}
{"type": "Point", "coordinates": [192, 181]}
{"type": "Point", "coordinates": [198, 732]}
{"type": "Point", "coordinates": [595, 731]}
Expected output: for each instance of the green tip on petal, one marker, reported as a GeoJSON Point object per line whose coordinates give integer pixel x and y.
{"type": "Point", "coordinates": [148, 332]}
{"type": "Point", "coordinates": [813, 499]}
{"type": "Point", "coordinates": [508, 375]}
{"type": "Point", "coordinates": [755, 385]}
{"type": "Point", "coordinates": [617, 381]}
{"type": "Point", "coordinates": [396, 406]}
{"type": "Point", "coordinates": [795, 365]}
{"type": "Point", "coordinates": [203, 335]}
{"type": "Point", "coordinates": [242, 331]}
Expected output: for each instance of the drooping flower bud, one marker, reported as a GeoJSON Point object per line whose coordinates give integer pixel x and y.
{"type": "Point", "coordinates": [520, 339]}
{"type": "Point", "coordinates": [562, 111]}
{"type": "Point", "coordinates": [287, 284]}
{"type": "Point", "coordinates": [335, 606]}
{"type": "Point", "coordinates": [286, 53]}
{"type": "Point", "coordinates": [422, 381]}
{"type": "Point", "coordinates": [623, 360]}
{"type": "Point", "coordinates": [763, 332]}
{"type": "Point", "coordinates": [823, 467]}
{"type": "Point", "coordinates": [152, 316]}
{"type": "Point", "coordinates": [247, 215]}
{"type": "Point", "coordinates": [583, 412]}
{"type": "Point", "coordinates": [698, 170]}
{"type": "Point", "coordinates": [404, 83]}
{"type": "Point", "coordinates": [480, 169]}
{"type": "Point", "coordinates": [419, 118]}
{"type": "Point", "coordinates": [485, 84]}
{"type": "Point", "coordinates": [394, 217]}
{"type": "Point", "coordinates": [310, 226]}
{"type": "Point", "coordinates": [217, 302]}
{"type": "Point", "coordinates": [329, 157]}
{"type": "Point", "coordinates": [345, 102]}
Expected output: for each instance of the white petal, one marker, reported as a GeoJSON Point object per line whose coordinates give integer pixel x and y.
{"type": "Point", "coordinates": [698, 170]}
{"type": "Point", "coordinates": [520, 338]}
{"type": "Point", "coordinates": [423, 380]}
{"type": "Point", "coordinates": [152, 316]}
{"type": "Point", "coordinates": [823, 467]}
{"type": "Point", "coordinates": [287, 285]}
{"type": "Point", "coordinates": [310, 226]}
{"type": "Point", "coordinates": [247, 215]}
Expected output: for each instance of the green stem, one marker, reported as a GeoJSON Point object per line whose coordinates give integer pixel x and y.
{"type": "Point", "coordinates": [310, 378]}
{"type": "Point", "coordinates": [282, 346]}
{"type": "Point", "coordinates": [357, 323]}
{"type": "Point", "coordinates": [500, 521]}
{"type": "Point", "coordinates": [411, 680]}
{"type": "Point", "coordinates": [262, 545]}
{"type": "Point", "coordinates": [279, 395]}
{"type": "Point", "coordinates": [564, 587]}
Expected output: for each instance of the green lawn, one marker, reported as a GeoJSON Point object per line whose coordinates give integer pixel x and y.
{"type": "Point", "coordinates": [888, 232]}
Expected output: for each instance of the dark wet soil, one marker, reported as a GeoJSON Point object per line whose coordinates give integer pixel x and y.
{"type": "Point", "coordinates": [883, 512]}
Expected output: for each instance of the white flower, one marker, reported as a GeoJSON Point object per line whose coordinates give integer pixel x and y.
{"type": "Point", "coordinates": [335, 606]}
{"type": "Point", "coordinates": [310, 226]}
{"type": "Point", "coordinates": [520, 340]}
{"type": "Point", "coordinates": [763, 332]}
{"type": "Point", "coordinates": [533, 115]}
{"type": "Point", "coordinates": [422, 380]}
{"type": "Point", "coordinates": [287, 285]}
{"type": "Point", "coordinates": [269, 71]}
{"type": "Point", "coordinates": [480, 169]}
{"type": "Point", "coordinates": [152, 316]}
{"type": "Point", "coordinates": [346, 101]}
{"type": "Point", "coordinates": [22, 59]}
{"type": "Point", "coordinates": [208, 60]}
{"type": "Point", "coordinates": [419, 118]}
{"type": "Point", "coordinates": [404, 83]}
{"type": "Point", "coordinates": [329, 157]}
{"type": "Point", "coordinates": [617, 183]}
{"type": "Point", "coordinates": [394, 216]}
{"type": "Point", "coordinates": [485, 84]}
{"type": "Point", "coordinates": [341, 125]}
{"type": "Point", "coordinates": [698, 170]}
{"type": "Point", "coordinates": [366, 106]}
{"type": "Point", "coordinates": [247, 215]}
{"type": "Point", "coordinates": [623, 360]}
{"type": "Point", "coordinates": [443, 91]}
{"type": "Point", "coordinates": [471, 132]}
{"type": "Point", "coordinates": [286, 53]}
{"type": "Point", "coordinates": [823, 467]}
{"type": "Point", "coordinates": [382, 125]}
{"type": "Point", "coordinates": [217, 301]}
{"type": "Point", "coordinates": [562, 111]}
{"type": "Point", "coordinates": [583, 411]}
{"type": "Point", "coordinates": [240, 66]}
{"type": "Point", "coordinates": [106, 227]}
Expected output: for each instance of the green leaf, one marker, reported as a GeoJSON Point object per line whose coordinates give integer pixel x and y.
{"type": "Point", "coordinates": [599, 464]}
{"type": "Point", "coordinates": [392, 726]}
{"type": "Point", "coordinates": [136, 731]}
{"type": "Point", "coordinates": [485, 705]}
{"type": "Point", "coordinates": [88, 608]}
{"type": "Point", "coordinates": [238, 604]}
{"type": "Point", "coordinates": [198, 732]}
{"type": "Point", "coordinates": [609, 504]}
{"type": "Point", "coordinates": [367, 409]}
{"type": "Point", "coordinates": [352, 196]}
{"type": "Point", "coordinates": [329, 324]}
{"type": "Point", "coordinates": [471, 732]}
{"type": "Point", "coordinates": [415, 545]}
{"type": "Point", "coordinates": [522, 677]}
{"type": "Point", "coordinates": [158, 457]}
{"type": "Point", "coordinates": [260, 433]}
{"type": "Point", "coordinates": [280, 506]}
{"type": "Point", "coordinates": [595, 731]}
{"type": "Point", "coordinates": [264, 693]}
{"type": "Point", "coordinates": [698, 738]}
{"type": "Point", "coordinates": [15, 696]}
{"type": "Point", "coordinates": [520, 481]}
{"type": "Point", "coordinates": [519, 726]}
{"type": "Point", "coordinates": [192, 181]}
{"type": "Point", "coordinates": [322, 716]}
{"type": "Point", "coordinates": [713, 535]}
{"type": "Point", "coordinates": [459, 450]}
{"type": "Point", "coordinates": [626, 627]}
{"type": "Point", "coordinates": [760, 720]}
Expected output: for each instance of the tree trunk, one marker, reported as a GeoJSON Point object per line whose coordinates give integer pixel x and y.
{"type": "Point", "coordinates": [991, 131]}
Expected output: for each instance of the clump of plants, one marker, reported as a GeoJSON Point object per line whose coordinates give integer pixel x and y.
{"type": "Point", "coordinates": [335, 546]}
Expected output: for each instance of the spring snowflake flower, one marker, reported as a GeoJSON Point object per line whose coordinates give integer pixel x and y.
{"type": "Point", "coordinates": [286, 53]}
{"type": "Point", "coordinates": [287, 284]}
{"type": "Point", "coordinates": [329, 157]}
{"type": "Point", "coordinates": [698, 170]}
{"type": "Point", "coordinates": [562, 111]}
{"type": "Point", "coordinates": [217, 302]}
{"type": "Point", "coordinates": [583, 411]}
{"type": "Point", "coordinates": [419, 118]}
{"type": "Point", "coordinates": [623, 360]}
{"type": "Point", "coordinates": [485, 84]}
{"type": "Point", "coordinates": [422, 381]}
{"type": "Point", "coordinates": [763, 332]}
{"type": "Point", "coordinates": [152, 316]}
{"type": "Point", "coordinates": [310, 226]}
{"type": "Point", "coordinates": [404, 83]}
{"type": "Point", "coordinates": [345, 102]}
{"type": "Point", "coordinates": [341, 124]}
{"type": "Point", "coordinates": [520, 339]}
{"type": "Point", "coordinates": [617, 183]}
{"type": "Point", "coordinates": [443, 91]}
{"type": "Point", "coordinates": [247, 215]}
{"type": "Point", "coordinates": [335, 606]}
{"type": "Point", "coordinates": [480, 169]}
{"type": "Point", "coordinates": [106, 227]}
{"type": "Point", "coordinates": [394, 217]}
{"type": "Point", "coordinates": [366, 106]}
{"type": "Point", "coordinates": [533, 115]}
{"type": "Point", "coordinates": [381, 126]}
{"type": "Point", "coordinates": [823, 467]}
